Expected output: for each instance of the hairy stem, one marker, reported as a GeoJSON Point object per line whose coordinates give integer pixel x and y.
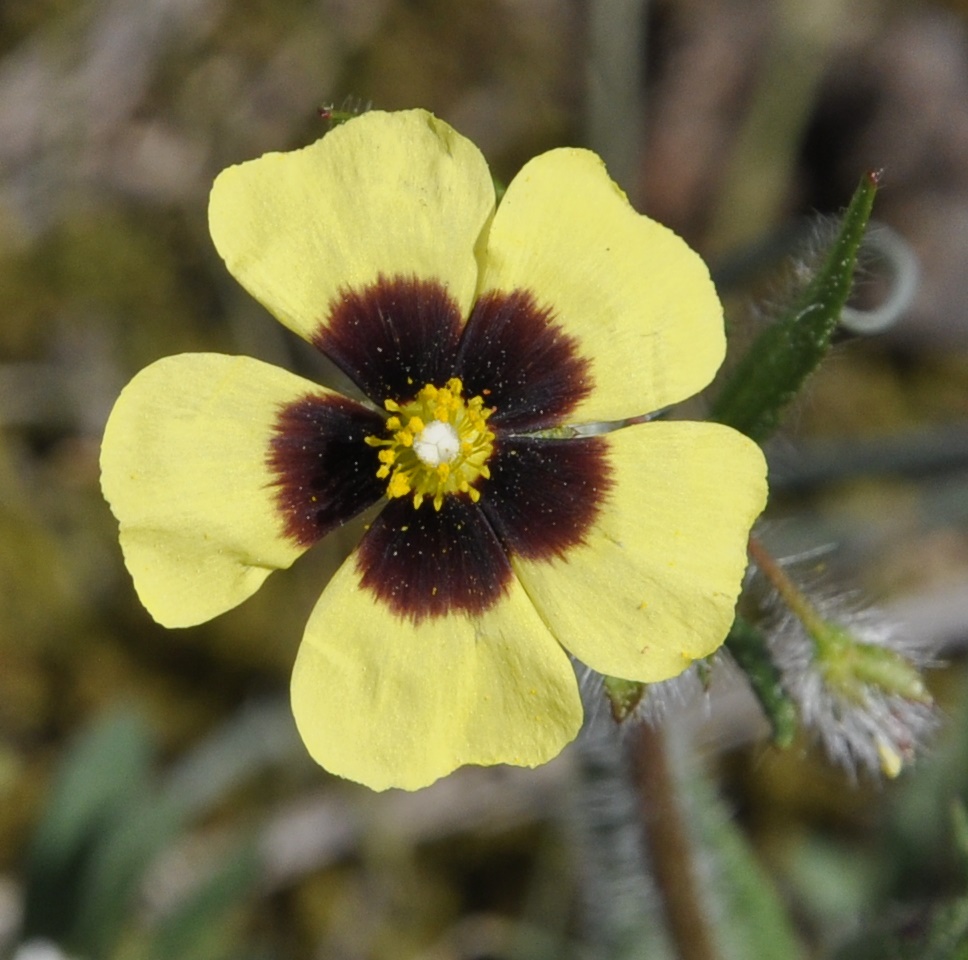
{"type": "Point", "coordinates": [791, 595]}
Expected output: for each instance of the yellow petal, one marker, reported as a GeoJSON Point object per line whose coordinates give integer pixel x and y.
{"type": "Point", "coordinates": [387, 703]}
{"type": "Point", "coordinates": [386, 193]}
{"type": "Point", "coordinates": [655, 583]}
{"type": "Point", "coordinates": [183, 466]}
{"type": "Point", "coordinates": [637, 299]}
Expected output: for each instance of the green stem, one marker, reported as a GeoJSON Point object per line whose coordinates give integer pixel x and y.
{"type": "Point", "coordinates": [749, 649]}
{"type": "Point", "coordinates": [771, 373]}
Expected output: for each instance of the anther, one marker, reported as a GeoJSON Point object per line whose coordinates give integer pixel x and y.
{"type": "Point", "coordinates": [437, 444]}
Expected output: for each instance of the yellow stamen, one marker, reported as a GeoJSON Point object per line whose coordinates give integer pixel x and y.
{"type": "Point", "coordinates": [399, 485]}
{"type": "Point", "coordinates": [435, 445]}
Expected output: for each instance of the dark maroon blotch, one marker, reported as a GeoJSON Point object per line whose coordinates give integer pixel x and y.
{"type": "Point", "coordinates": [544, 495]}
{"type": "Point", "coordinates": [326, 473]}
{"type": "Point", "coordinates": [429, 563]}
{"type": "Point", "coordinates": [392, 337]}
{"type": "Point", "coordinates": [516, 355]}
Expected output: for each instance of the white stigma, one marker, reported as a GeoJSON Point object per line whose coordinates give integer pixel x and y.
{"type": "Point", "coordinates": [437, 443]}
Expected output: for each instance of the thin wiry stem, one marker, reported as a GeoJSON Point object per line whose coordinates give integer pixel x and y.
{"type": "Point", "coordinates": [792, 596]}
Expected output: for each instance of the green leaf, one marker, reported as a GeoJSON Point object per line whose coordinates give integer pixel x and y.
{"type": "Point", "coordinates": [249, 742]}
{"type": "Point", "coordinates": [750, 919]}
{"type": "Point", "coordinates": [940, 934]}
{"type": "Point", "coordinates": [748, 648]}
{"type": "Point", "coordinates": [99, 778]}
{"type": "Point", "coordinates": [947, 937]}
{"type": "Point", "coordinates": [112, 881]}
{"type": "Point", "coordinates": [204, 926]}
{"type": "Point", "coordinates": [959, 830]}
{"type": "Point", "coordinates": [771, 374]}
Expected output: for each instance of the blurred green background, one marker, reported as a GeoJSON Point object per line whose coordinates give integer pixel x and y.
{"type": "Point", "coordinates": [154, 799]}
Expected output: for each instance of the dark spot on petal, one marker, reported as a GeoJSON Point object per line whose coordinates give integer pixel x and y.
{"type": "Point", "coordinates": [544, 495]}
{"type": "Point", "coordinates": [326, 473]}
{"type": "Point", "coordinates": [532, 369]}
{"type": "Point", "coordinates": [430, 563]}
{"type": "Point", "coordinates": [393, 336]}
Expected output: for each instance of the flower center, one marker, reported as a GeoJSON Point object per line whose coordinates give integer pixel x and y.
{"type": "Point", "coordinates": [438, 444]}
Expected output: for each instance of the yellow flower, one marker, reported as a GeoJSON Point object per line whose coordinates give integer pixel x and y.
{"type": "Point", "coordinates": [480, 337]}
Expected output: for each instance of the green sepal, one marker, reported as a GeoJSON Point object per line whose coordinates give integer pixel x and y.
{"type": "Point", "coordinates": [771, 374]}
{"type": "Point", "coordinates": [748, 648]}
{"type": "Point", "coordinates": [851, 664]}
{"type": "Point", "coordinates": [623, 695]}
{"type": "Point", "coordinates": [336, 116]}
